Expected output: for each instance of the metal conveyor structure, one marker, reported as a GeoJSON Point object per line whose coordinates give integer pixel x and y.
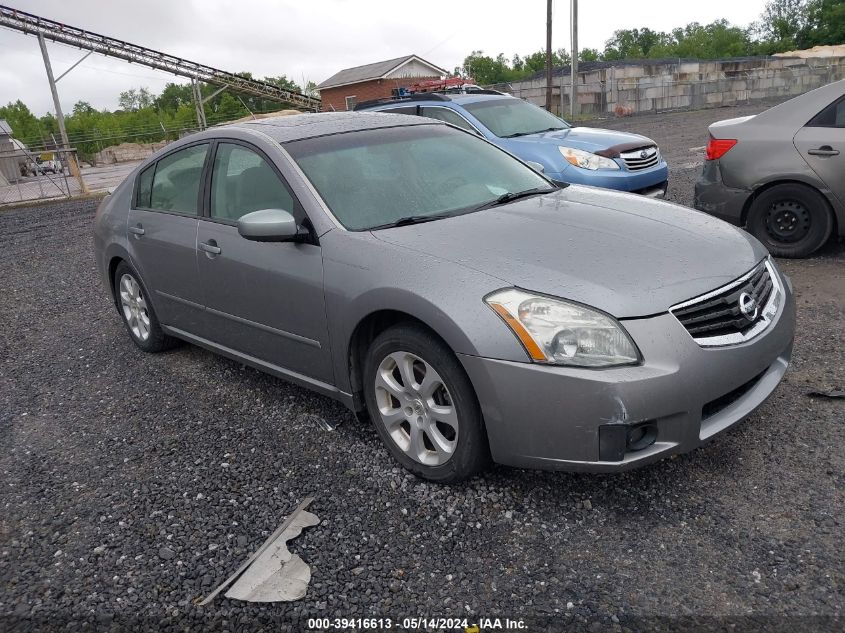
{"type": "Point", "coordinates": [72, 36]}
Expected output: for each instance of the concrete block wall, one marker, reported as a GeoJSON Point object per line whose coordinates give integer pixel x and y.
{"type": "Point", "coordinates": [661, 85]}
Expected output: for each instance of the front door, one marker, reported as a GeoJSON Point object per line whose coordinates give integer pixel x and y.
{"type": "Point", "coordinates": [263, 299]}
{"type": "Point", "coordinates": [162, 235]}
{"type": "Point", "coordinates": [822, 144]}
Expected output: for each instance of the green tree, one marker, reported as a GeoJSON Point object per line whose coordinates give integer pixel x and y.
{"type": "Point", "coordinates": [824, 24]}
{"type": "Point", "coordinates": [25, 125]}
{"type": "Point", "coordinates": [135, 99]}
{"type": "Point", "coordinates": [589, 55]}
{"type": "Point", "coordinates": [635, 43]}
{"type": "Point", "coordinates": [716, 40]}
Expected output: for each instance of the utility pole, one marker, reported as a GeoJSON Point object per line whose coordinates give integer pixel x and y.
{"type": "Point", "coordinates": [549, 55]}
{"type": "Point", "coordinates": [73, 166]}
{"type": "Point", "coordinates": [573, 90]}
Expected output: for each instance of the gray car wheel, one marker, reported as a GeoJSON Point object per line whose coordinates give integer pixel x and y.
{"type": "Point", "coordinates": [137, 312]}
{"type": "Point", "coordinates": [423, 405]}
{"type": "Point", "coordinates": [791, 220]}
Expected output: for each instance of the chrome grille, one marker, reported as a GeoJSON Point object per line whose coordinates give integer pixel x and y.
{"type": "Point", "coordinates": [642, 158]}
{"type": "Point", "coordinates": [734, 313]}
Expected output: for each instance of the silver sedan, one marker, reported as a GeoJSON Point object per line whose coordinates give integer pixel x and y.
{"type": "Point", "coordinates": [474, 309]}
{"type": "Point", "coordinates": [780, 173]}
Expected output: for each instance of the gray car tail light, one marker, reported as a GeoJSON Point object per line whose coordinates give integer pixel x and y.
{"type": "Point", "coordinates": [734, 313]}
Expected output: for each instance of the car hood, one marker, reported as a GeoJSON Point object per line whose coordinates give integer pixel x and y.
{"type": "Point", "coordinates": [624, 254]}
{"type": "Point", "coordinates": [587, 138]}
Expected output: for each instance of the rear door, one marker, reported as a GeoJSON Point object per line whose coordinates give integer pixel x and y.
{"type": "Point", "coordinates": [822, 144]}
{"type": "Point", "coordinates": [263, 299]}
{"type": "Point", "coordinates": [162, 232]}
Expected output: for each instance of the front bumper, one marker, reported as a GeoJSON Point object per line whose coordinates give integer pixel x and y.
{"type": "Point", "coordinates": [560, 418]}
{"type": "Point", "coordinates": [713, 196]}
{"type": "Point", "coordinates": [647, 181]}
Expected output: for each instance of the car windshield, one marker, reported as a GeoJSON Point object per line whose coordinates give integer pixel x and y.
{"type": "Point", "coordinates": [378, 178]}
{"type": "Point", "coordinates": [511, 117]}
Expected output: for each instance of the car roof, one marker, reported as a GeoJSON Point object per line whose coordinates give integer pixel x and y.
{"type": "Point", "coordinates": [284, 129]}
{"type": "Point", "coordinates": [445, 97]}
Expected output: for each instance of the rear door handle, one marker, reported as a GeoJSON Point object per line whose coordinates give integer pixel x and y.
{"type": "Point", "coordinates": [211, 247]}
{"type": "Point", "coordinates": [137, 230]}
{"type": "Point", "coordinates": [824, 150]}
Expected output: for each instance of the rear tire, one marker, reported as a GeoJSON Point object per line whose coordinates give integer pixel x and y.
{"type": "Point", "coordinates": [423, 405]}
{"type": "Point", "coordinates": [137, 312]}
{"type": "Point", "coordinates": [791, 220]}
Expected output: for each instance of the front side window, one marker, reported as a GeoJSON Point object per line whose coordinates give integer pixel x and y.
{"type": "Point", "coordinates": [242, 181]}
{"type": "Point", "coordinates": [832, 116]}
{"type": "Point", "coordinates": [447, 115]}
{"type": "Point", "coordinates": [373, 178]}
{"type": "Point", "coordinates": [511, 117]}
{"type": "Point", "coordinates": [176, 183]}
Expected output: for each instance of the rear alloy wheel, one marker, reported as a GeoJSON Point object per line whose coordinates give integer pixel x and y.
{"type": "Point", "coordinates": [423, 405]}
{"type": "Point", "coordinates": [138, 315]}
{"type": "Point", "coordinates": [791, 220]}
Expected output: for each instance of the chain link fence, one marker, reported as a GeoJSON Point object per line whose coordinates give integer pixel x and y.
{"type": "Point", "coordinates": [27, 175]}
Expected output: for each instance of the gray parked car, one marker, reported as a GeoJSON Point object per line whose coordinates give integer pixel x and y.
{"type": "Point", "coordinates": [471, 306]}
{"type": "Point", "coordinates": [781, 173]}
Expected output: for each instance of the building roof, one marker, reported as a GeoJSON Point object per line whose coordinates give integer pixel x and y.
{"type": "Point", "coordinates": [377, 70]}
{"type": "Point", "coordinates": [5, 128]}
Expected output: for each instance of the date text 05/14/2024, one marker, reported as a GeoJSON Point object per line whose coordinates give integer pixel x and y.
{"type": "Point", "coordinates": [417, 623]}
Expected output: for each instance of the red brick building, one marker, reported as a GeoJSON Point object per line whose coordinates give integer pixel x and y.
{"type": "Point", "coordinates": [344, 89]}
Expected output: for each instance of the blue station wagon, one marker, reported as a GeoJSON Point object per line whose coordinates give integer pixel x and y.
{"type": "Point", "coordinates": [567, 154]}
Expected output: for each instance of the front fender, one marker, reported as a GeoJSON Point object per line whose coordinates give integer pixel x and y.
{"type": "Point", "coordinates": [364, 275]}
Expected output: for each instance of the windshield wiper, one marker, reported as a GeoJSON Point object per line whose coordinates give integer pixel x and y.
{"type": "Point", "coordinates": [510, 196]}
{"type": "Point", "coordinates": [408, 220]}
{"type": "Point", "coordinates": [548, 129]}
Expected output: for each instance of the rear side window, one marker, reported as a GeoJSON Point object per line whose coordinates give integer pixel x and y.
{"type": "Point", "coordinates": [447, 115]}
{"type": "Point", "coordinates": [832, 116]}
{"type": "Point", "coordinates": [145, 187]}
{"type": "Point", "coordinates": [402, 110]}
{"type": "Point", "coordinates": [177, 179]}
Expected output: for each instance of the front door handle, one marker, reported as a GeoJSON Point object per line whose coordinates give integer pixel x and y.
{"type": "Point", "coordinates": [137, 230]}
{"type": "Point", "coordinates": [211, 247]}
{"type": "Point", "coordinates": [824, 150]}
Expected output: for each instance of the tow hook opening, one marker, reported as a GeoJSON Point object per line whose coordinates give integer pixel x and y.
{"type": "Point", "coordinates": [641, 436]}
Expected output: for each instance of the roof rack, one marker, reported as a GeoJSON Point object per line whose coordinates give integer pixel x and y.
{"type": "Point", "coordinates": [419, 96]}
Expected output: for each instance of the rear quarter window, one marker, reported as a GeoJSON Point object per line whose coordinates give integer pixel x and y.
{"type": "Point", "coordinates": [145, 187]}
{"type": "Point", "coordinates": [832, 116]}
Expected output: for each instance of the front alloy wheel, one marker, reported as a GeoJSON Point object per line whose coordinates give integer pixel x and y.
{"type": "Point", "coordinates": [423, 405]}
{"type": "Point", "coordinates": [416, 409]}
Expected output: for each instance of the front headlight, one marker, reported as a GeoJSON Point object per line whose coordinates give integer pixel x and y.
{"type": "Point", "coordinates": [563, 333]}
{"type": "Point", "coordinates": [587, 160]}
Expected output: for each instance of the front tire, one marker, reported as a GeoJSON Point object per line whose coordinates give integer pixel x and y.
{"type": "Point", "coordinates": [137, 312]}
{"type": "Point", "coordinates": [423, 405]}
{"type": "Point", "coordinates": [791, 220]}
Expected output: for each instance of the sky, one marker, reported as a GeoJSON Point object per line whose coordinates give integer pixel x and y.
{"type": "Point", "coordinates": [311, 40]}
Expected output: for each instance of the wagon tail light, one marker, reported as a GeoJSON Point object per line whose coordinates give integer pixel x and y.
{"type": "Point", "coordinates": [718, 147]}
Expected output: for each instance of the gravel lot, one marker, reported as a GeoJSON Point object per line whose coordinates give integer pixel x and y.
{"type": "Point", "coordinates": [132, 484]}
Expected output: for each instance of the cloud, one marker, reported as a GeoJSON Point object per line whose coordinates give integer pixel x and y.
{"type": "Point", "coordinates": [310, 40]}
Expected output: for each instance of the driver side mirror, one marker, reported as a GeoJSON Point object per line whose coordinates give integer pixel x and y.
{"type": "Point", "coordinates": [535, 165]}
{"type": "Point", "coordinates": [270, 225]}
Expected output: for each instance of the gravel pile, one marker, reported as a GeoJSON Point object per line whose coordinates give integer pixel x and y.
{"type": "Point", "coordinates": [132, 484]}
